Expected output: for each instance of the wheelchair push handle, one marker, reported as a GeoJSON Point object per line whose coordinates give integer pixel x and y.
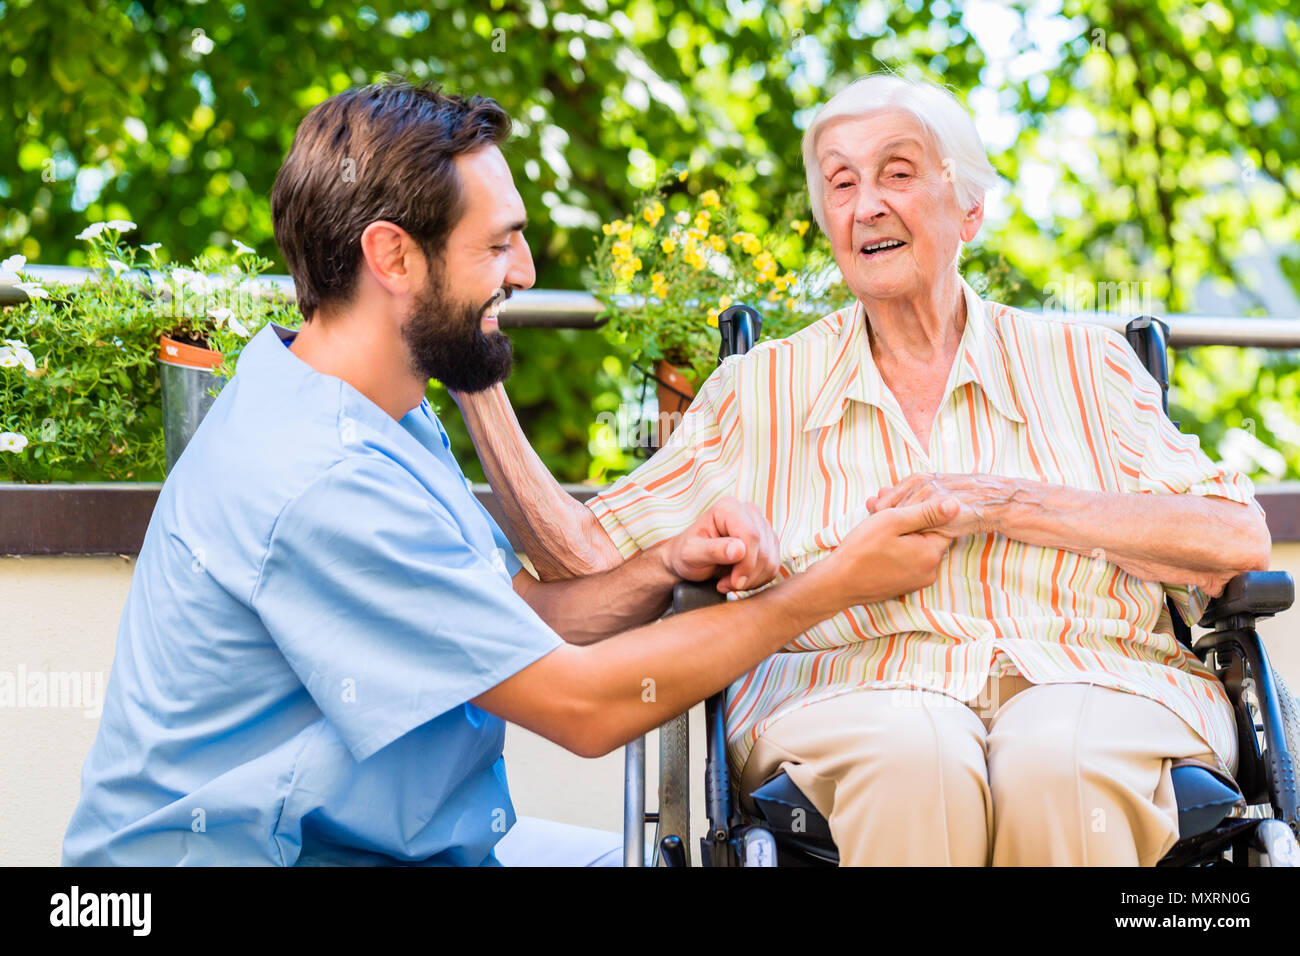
{"type": "Point", "coordinates": [739, 327]}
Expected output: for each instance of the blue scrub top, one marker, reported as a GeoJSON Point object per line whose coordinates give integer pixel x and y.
{"type": "Point", "coordinates": [318, 598]}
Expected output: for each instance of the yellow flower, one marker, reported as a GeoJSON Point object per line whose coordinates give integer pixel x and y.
{"type": "Point", "coordinates": [623, 229]}
{"type": "Point", "coordinates": [718, 243]}
{"type": "Point", "coordinates": [628, 269]}
{"type": "Point", "coordinates": [682, 218]}
{"type": "Point", "coordinates": [713, 317]}
{"type": "Point", "coordinates": [653, 213]}
{"type": "Point", "coordinates": [710, 198]}
{"type": "Point", "coordinates": [693, 259]}
{"type": "Point", "coordinates": [799, 226]}
{"type": "Point", "coordinates": [621, 250]}
{"type": "Point", "coordinates": [681, 177]}
{"type": "Point", "coordinates": [668, 245]}
{"type": "Point", "coordinates": [724, 303]}
{"type": "Point", "coordinates": [766, 267]}
{"type": "Point", "coordinates": [702, 220]}
{"type": "Point", "coordinates": [751, 245]}
{"type": "Point", "coordinates": [659, 285]}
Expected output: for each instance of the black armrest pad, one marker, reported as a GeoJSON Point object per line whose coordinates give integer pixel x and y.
{"type": "Point", "coordinates": [690, 595]}
{"type": "Point", "coordinates": [1257, 593]}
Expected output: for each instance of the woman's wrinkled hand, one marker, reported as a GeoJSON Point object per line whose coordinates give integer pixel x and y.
{"type": "Point", "coordinates": [979, 497]}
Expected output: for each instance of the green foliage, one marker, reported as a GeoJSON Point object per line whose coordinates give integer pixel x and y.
{"type": "Point", "coordinates": [1162, 130]}
{"type": "Point", "coordinates": [79, 387]}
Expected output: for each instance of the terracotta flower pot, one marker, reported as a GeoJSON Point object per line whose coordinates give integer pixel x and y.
{"type": "Point", "coordinates": [675, 395]}
{"type": "Point", "coordinates": [187, 382]}
{"type": "Point", "coordinates": [189, 356]}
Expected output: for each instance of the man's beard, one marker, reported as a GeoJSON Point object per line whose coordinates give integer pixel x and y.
{"type": "Point", "coordinates": [447, 342]}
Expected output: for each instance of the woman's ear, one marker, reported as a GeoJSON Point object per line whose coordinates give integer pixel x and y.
{"type": "Point", "coordinates": [971, 224]}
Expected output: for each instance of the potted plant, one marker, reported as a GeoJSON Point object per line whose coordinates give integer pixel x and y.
{"type": "Point", "coordinates": [114, 374]}
{"type": "Point", "coordinates": [666, 272]}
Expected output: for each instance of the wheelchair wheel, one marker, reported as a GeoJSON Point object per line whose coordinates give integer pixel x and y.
{"type": "Point", "coordinates": [1290, 711]}
{"type": "Point", "coordinates": [674, 784]}
{"type": "Point", "coordinates": [1290, 716]}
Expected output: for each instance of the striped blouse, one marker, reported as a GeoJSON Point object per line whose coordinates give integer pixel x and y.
{"type": "Point", "coordinates": [806, 429]}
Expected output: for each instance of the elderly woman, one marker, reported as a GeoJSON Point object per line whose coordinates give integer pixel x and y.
{"type": "Point", "coordinates": [1027, 707]}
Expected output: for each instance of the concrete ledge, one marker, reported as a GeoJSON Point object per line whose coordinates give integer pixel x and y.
{"type": "Point", "coordinates": [112, 518]}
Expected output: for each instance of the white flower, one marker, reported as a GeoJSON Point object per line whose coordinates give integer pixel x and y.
{"type": "Point", "coordinates": [14, 353]}
{"type": "Point", "coordinates": [238, 328]}
{"type": "Point", "coordinates": [152, 246]}
{"type": "Point", "coordinates": [92, 231]}
{"type": "Point", "coordinates": [12, 441]}
{"type": "Point", "coordinates": [241, 247]}
{"type": "Point", "coordinates": [121, 225]}
{"type": "Point", "coordinates": [220, 315]}
{"type": "Point", "coordinates": [196, 282]}
{"type": "Point", "coordinates": [117, 266]}
{"type": "Point", "coordinates": [33, 290]}
{"type": "Point", "coordinates": [13, 264]}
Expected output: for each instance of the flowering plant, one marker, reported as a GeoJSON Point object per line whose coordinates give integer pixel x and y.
{"type": "Point", "coordinates": [79, 389]}
{"type": "Point", "coordinates": [665, 276]}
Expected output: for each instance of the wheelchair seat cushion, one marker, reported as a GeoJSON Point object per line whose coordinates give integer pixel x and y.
{"type": "Point", "coordinates": [790, 815]}
{"type": "Point", "coordinates": [1204, 796]}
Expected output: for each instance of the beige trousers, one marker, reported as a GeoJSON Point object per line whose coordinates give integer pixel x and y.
{"type": "Point", "coordinates": [1027, 775]}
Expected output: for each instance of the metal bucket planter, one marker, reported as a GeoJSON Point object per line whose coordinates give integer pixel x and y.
{"type": "Point", "coordinates": [187, 378]}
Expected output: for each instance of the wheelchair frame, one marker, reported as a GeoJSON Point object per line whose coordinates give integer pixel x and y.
{"type": "Point", "coordinates": [1261, 829]}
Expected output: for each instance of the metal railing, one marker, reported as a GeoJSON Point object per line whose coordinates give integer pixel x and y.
{"type": "Point", "coordinates": [572, 309]}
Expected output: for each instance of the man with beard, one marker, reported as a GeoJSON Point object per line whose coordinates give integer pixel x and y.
{"type": "Point", "coordinates": [325, 631]}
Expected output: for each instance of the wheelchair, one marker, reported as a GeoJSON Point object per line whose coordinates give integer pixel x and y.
{"type": "Point", "coordinates": [1251, 820]}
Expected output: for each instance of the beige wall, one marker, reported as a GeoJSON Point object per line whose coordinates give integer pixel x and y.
{"type": "Point", "coordinates": [60, 614]}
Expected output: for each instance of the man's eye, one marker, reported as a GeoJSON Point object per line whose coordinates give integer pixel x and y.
{"type": "Point", "coordinates": [505, 248]}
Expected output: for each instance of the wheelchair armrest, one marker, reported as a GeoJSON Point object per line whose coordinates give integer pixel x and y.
{"type": "Point", "coordinates": [1253, 594]}
{"type": "Point", "coordinates": [692, 595]}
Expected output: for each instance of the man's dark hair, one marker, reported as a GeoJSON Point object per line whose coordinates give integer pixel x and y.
{"type": "Point", "coordinates": [384, 151]}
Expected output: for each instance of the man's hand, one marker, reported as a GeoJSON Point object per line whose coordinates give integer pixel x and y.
{"type": "Point", "coordinates": [979, 498]}
{"type": "Point", "coordinates": [731, 534]}
{"type": "Point", "coordinates": [895, 551]}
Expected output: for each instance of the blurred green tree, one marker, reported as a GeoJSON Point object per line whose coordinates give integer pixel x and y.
{"type": "Point", "coordinates": [178, 114]}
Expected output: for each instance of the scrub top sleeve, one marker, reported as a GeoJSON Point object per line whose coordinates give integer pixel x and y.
{"type": "Point", "coordinates": [388, 616]}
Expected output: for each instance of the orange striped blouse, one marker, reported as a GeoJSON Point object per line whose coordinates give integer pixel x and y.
{"type": "Point", "coordinates": [806, 429]}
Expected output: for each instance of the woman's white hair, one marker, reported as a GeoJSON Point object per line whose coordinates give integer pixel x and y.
{"type": "Point", "coordinates": [939, 114]}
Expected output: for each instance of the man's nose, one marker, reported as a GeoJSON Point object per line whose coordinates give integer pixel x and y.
{"type": "Point", "coordinates": [521, 274]}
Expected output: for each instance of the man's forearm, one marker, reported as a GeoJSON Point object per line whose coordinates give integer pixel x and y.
{"type": "Point", "coordinates": [1174, 539]}
{"type": "Point", "coordinates": [587, 609]}
{"type": "Point", "coordinates": [561, 537]}
{"type": "Point", "coordinates": [593, 699]}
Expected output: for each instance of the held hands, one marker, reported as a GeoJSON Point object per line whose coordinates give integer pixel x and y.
{"type": "Point", "coordinates": [732, 534]}
{"type": "Point", "coordinates": [895, 551]}
{"type": "Point", "coordinates": [979, 498]}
